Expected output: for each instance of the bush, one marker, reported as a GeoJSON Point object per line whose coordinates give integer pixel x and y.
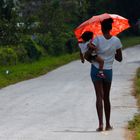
{"type": "Point", "coordinates": [8, 56]}
{"type": "Point", "coordinates": [40, 48]}
{"type": "Point", "coordinates": [32, 51]}
{"type": "Point", "coordinates": [21, 53]}
{"type": "Point", "coordinates": [58, 46]}
{"type": "Point", "coordinates": [71, 45]}
{"type": "Point", "coordinates": [49, 43]}
{"type": "Point", "coordinates": [55, 44]}
{"type": "Point", "coordinates": [44, 40]}
{"type": "Point", "coordinates": [62, 43]}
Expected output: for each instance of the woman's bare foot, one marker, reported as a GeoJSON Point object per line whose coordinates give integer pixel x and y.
{"type": "Point", "coordinates": [99, 129]}
{"type": "Point", "coordinates": [108, 128]}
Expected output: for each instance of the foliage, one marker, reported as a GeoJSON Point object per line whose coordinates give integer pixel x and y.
{"type": "Point", "coordinates": [33, 51]}
{"type": "Point", "coordinates": [138, 85]}
{"type": "Point", "coordinates": [21, 53]}
{"type": "Point", "coordinates": [45, 40]}
{"type": "Point", "coordinates": [7, 56]}
{"type": "Point", "coordinates": [135, 123]}
{"type": "Point", "coordinates": [130, 41]}
{"type": "Point", "coordinates": [9, 31]}
{"type": "Point", "coordinates": [60, 44]}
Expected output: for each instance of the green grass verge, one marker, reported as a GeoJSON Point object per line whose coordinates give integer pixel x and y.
{"type": "Point", "coordinates": [22, 72]}
{"type": "Point", "coordinates": [130, 41]}
{"type": "Point", "coordinates": [135, 123]}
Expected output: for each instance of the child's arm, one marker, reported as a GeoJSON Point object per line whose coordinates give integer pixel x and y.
{"type": "Point", "coordinates": [82, 57]}
{"type": "Point", "coordinates": [92, 46]}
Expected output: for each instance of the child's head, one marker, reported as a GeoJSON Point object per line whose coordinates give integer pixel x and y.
{"type": "Point", "coordinates": [86, 36]}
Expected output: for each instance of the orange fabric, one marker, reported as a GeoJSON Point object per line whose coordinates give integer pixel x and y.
{"type": "Point", "coordinates": [93, 24]}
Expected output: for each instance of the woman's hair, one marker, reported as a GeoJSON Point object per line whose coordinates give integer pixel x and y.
{"type": "Point", "coordinates": [86, 36]}
{"type": "Point", "coordinates": [106, 24]}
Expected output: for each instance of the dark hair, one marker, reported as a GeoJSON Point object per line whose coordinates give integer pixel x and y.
{"type": "Point", "coordinates": [86, 36]}
{"type": "Point", "coordinates": [106, 24]}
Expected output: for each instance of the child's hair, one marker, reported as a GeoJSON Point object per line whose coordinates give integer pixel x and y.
{"type": "Point", "coordinates": [107, 24]}
{"type": "Point", "coordinates": [86, 36]}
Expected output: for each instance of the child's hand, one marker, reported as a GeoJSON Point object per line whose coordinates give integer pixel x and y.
{"type": "Point", "coordinates": [92, 46]}
{"type": "Point", "coordinates": [82, 57]}
{"type": "Point", "coordinates": [83, 60]}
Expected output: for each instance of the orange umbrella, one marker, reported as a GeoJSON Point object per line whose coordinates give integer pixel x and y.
{"type": "Point", "coordinates": [93, 24]}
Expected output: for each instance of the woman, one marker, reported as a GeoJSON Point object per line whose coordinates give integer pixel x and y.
{"type": "Point", "coordinates": [109, 48]}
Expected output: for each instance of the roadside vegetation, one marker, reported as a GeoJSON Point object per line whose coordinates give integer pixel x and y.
{"type": "Point", "coordinates": [134, 124]}
{"type": "Point", "coordinates": [130, 41]}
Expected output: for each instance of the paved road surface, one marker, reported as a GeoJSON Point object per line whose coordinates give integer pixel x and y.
{"type": "Point", "coordinates": [61, 104]}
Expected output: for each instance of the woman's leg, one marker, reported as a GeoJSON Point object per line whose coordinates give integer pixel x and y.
{"type": "Point", "coordinates": [107, 106]}
{"type": "Point", "coordinates": [99, 102]}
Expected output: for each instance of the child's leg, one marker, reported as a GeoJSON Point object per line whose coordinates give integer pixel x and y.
{"type": "Point", "coordinates": [100, 61]}
{"type": "Point", "coordinates": [101, 64]}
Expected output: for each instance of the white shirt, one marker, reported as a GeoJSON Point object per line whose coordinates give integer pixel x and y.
{"type": "Point", "coordinates": [83, 46]}
{"type": "Point", "coordinates": [106, 50]}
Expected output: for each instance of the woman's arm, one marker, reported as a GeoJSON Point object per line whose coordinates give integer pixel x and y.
{"type": "Point", "coordinates": [118, 55]}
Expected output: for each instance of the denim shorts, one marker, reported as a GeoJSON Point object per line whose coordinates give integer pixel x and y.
{"type": "Point", "coordinates": [94, 71]}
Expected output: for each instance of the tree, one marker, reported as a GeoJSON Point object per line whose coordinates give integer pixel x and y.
{"type": "Point", "coordinates": [9, 32]}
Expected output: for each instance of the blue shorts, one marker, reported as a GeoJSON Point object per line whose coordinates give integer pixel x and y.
{"type": "Point", "coordinates": [94, 71]}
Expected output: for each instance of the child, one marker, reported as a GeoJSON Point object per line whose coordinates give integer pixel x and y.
{"type": "Point", "coordinates": [88, 51]}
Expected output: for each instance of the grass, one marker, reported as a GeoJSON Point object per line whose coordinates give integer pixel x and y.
{"type": "Point", "coordinates": [22, 72]}
{"type": "Point", "coordinates": [135, 123]}
{"type": "Point", "coordinates": [130, 41]}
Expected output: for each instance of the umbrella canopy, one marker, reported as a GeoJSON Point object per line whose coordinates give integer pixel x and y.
{"type": "Point", "coordinates": [93, 24]}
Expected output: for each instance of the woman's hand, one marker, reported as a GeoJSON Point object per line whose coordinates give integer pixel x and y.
{"type": "Point", "coordinates": [118, 55]}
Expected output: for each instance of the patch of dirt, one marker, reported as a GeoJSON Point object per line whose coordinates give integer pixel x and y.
{"type": "Point", "coordinates": [129, 134]}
